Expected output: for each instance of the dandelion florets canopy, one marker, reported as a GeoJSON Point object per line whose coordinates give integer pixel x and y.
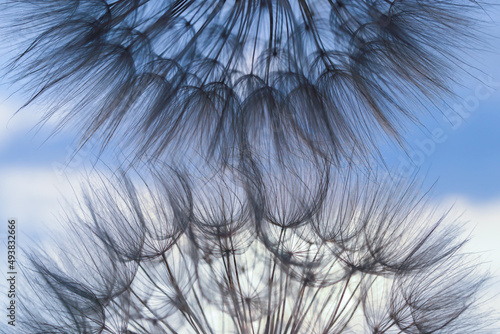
{"type": "Point", "coordinates": [284, 241]}
{"type": "Point", "coordinates": [191, 256]}
{"type": "Point", "coordinates": [222, 75]}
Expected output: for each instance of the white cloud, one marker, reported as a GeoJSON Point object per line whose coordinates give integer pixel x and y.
{"type": "Point", "coordinates": [34, 196]}
{"type": "Point", "coordinates": [484, 223]}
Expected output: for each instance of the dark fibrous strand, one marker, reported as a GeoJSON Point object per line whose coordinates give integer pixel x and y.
{"type": "Point", "coordinates": [249, 197]}
{"type": "Point", "coordinates": [171, 75]}
{"type": "Point", "coordinates": [371, 257]}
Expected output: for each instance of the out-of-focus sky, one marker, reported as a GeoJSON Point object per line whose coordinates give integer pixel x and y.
{"type": "Point", "coordinates": [460, 155]}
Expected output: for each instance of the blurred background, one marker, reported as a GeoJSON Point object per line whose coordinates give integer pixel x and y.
{"type": "Point", "coordinates": [457, 153]}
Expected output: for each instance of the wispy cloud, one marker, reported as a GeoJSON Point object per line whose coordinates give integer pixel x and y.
{"type": "Point", "coordinates": [35, 196]}
{"type": "Point", "coordinates": [483, 219]}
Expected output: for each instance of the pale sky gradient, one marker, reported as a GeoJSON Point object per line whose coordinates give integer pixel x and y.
{"type": "Point", "coordinates": [464, 159]}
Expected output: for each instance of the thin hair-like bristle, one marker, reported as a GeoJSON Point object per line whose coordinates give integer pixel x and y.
{"type": "Point", "coordinates": [371, 257]}
{"type": "Point", "coordinates": [166, 76]}
{"type": "Point", "coordinates": [245, 203]}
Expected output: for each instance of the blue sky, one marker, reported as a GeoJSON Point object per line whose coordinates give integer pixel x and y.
{"type": "Point", "coordinates": [463, 160]}
{"type": "Point", "coordinates": [468, 162]}
{"type": "Point", "coordinates": [460, 154]}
